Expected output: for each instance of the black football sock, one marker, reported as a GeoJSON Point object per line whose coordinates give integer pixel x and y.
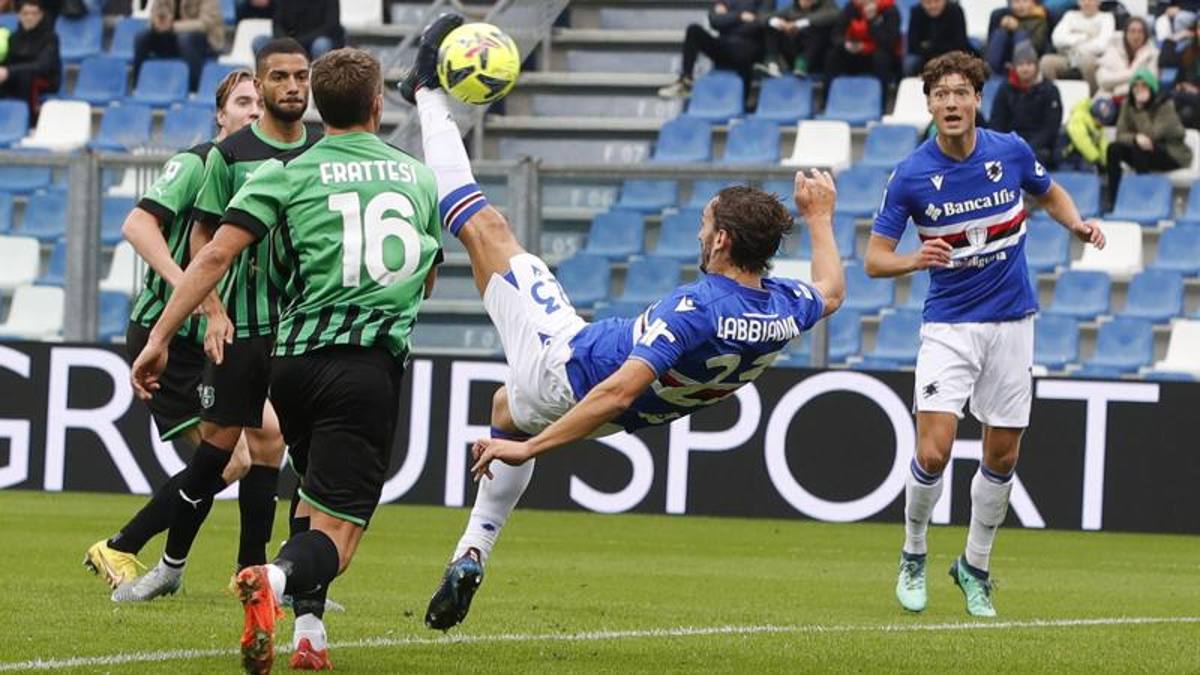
{"type": "Point", "coordinates": [202, 480]}
{"type": "Point", "coordinates": [153, 518]}
{"type": "Point", "coordinates": [310, 603]}
{"type": "Point", "coordinates": [310, 561]}
{"type": "Point", "coordinates": [256, 504]}
{"type": "Point", "coordinates": [297, 524]}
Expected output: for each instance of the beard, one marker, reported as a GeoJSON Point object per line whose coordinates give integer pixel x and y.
{"type": "Point", "coordinates": [703, 262]}
{"type": "Point", "coordinates": [283, 114]}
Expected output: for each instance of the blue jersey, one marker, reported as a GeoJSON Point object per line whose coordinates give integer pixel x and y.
{"type": "Point", "coordinates": [703, 341]}
{"type": "Point", "coordinates": [974, 205]}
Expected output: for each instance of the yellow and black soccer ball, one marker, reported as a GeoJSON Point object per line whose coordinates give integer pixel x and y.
{"type": "Point", "coordinates": [478, 63]}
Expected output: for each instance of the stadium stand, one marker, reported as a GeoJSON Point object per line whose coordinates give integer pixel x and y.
{"type": "Point", "coordinates": [786, 100]}
{"type": "Point", "coordinates": [855, 100]}
{"type": "Point", "coordinates": [113, 316]}
{"type": "Point", "coordinates": [898, 339]}
{"type": "Point", "coordinates": [887, 145]}
{"type": "Point", "coordinates": [1179, 250]}
{"type": "Point", "coordinates": [62, 126]}
{"type": "Point", "coordinates": [1191, 210]}
{"type": "Point", "coordinates": [102, 80]}
{"type": "Point", "coordinates": [752, 141]}
{"type": "Point", "coordinates": [123, 127]}
{"type": "Point", "coordinates": [36, 313]}
{"type": "Point", "coordinates": [19, 258]}
{"type": "Point", "coordinates": [24, 179]}
{"type": "Point", "coordinates": [1123, 345]}
{"type": "Point", "coordinates": [910, 108]}
{"type": "Point", "coordinates": [704, 190]}
{"type": "Point", "coordinates": [124, 35]}
{"type": "Point", "coordinates": [56, 269]}
{"type": "Point", "coordinates": [649, 279]}
{"type": "Point", "coordinates": [122, 272]}
{"type": "Point", "coordinates": [242, 52]}
{"type": "Point", "coordinates": [647, 195]}
{"type": "Point", "coordinates": [677, 237]}
{"type": "Point", "coordinates": [822, 143]}
{"type": "Point", "coordinates": [1144, 198]}
{"type": "Point", "coordinates": [210, 79]}
{"type": "Point", "coordinates": [1082, 295]}
{"type": "Point", "coordinates": [14, 121]}
{"type": "Point", "coordinates": [161, 83]}
{"type": "Point", "coordinates": [1084, 188]}
{"type": "Point", "coordinates": [859, 190]}
{"type": "Point", "coordinates": [717, 97]}
{"type": "Point", "coordinates": [867, 295]}
{"type": "Point", "coordinates": [616, 234]}
{"type": "Point", "coordinates": [113, 209]}
{"type": "Point", "coordinates": [1183, 349]}
{"type": "Point", "coordinates": [918, 289]}
{"type": "Point", "coordinates": [586, 278]}
{"type": "Point", "coordinates": [1055, 341]}
{"type": "Point", "coordinates": [45, 216]}
{"type": "Point", "coordinates": [684, 139]}
{"type": "Point", "coordinates": [1071, 92]}
{"type": "Point", "coordinates": [1047, 244]}
{"type": "Point", "coordinates": [1121, 258]}
{"type": "Point", "coordinates": [1154, 295]}
{"type": "Point", "coordinates": [6, 212]}
{"type": "Point", "coordinates": [79, 38]}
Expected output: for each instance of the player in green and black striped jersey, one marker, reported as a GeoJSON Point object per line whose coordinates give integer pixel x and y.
{"type": "Point", "coordinates": [159, 228]}
{"type": "Point", "coordinates": [360, 226]}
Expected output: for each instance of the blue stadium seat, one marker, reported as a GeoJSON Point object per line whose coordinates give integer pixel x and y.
{"type": "Point", "coordinates": [899, 337]}
{"type": "Point", "coordinates": [785, 188]}
{"type": "Point", "coordinates": [616, 235]}
{"type": "Point", "coordinates": [797, 353]}
{"type": "Point", "coordinates": [859, 190]}
{"type": "Point", "coordinates": [1179, 249]}
{"type": "Point", "coordinates": [6, 210]}
{"type": "Point", "coordinates": [24, 179]}
{"type": "Point", "coordinates": [784, 99]}
{"type": "Point", "coordinates": [1169, 376]}
{"type": "Point", "coordinates": [717, 97]}
{"type": "Point", "coordinates": [123, 127]}
{"type": "Point", "coordinates": [799, 244]}
{"type": "Point", "coordinates": [1124, 345]}
{"type": "Point", "coordinates": [186, 126]}
{"type": "Point", "coordinates": [1047, 245]}
{"type": "Point", "coordinates": [1154, 295]}
{"type": "Point", "coordinates": [752, 141]}
{"type": "Point", "coordinates": [45, 216]}
{"type": "Point", "coordinates": [161, 82]}
{"type": "Point", "coordinates": [705, 190]}
{"type": "Point", "coordinates": [14, 121]}
{"type": "Point", "coordinates": [649, 279]}
{"type": "Point", "coordinates": [988, 96]}
{"type": "Point", "coordinates": [56, 271]}
{"type": "Point", "coordinates": [910, 240]}
{"type": "Point", "coordinates": [229, 12]}
{"type": "Point", "coordinates": [124, 35]}
{"type": "Point", "coordinates": [586, 278]}
{"type": "Point", "coordinates": [10, 21]}
{"type": "Point", "coordinates": [79, 38]}
{"type": "Point", "coordinates": [102, 80]}
{"type": "Point", "coordinates": [867, 295]}
{"type": "Point", "coordinates": [1191, 212]}
{"type": "Point", "coordinates": [113, 210]}
{"type": "Point", "coordinates": [619, 309]}
{"type": "Point", "coordinates": [918, 290]}
{"type": "Point", "coordinates": [210, 79]}
{"type": "Point", "coordinates": [1084, 188]}
{"type": "Point", "coordinates": [684, 139]}
{"type": "Point", "coordinates": [678, 236]}
{"type": "Point", "coordinates": [845, 335]}
{"type": "Point", "coordinates": [1082, 295]}
{"type": "Point", "coordinates": [1055, 341]}
{"type": "Point", "coordinates": [648, 195]}
{"type": "Point", "coordinates": [855, 100]}
{"type": "Point", "coordinates": [887, 145]}
{"type": "Point", "coordinates": [1143, 198]}
{"type": "Point", "coordinates": [113, 315]}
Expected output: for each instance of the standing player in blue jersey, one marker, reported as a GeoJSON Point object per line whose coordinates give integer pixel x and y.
{"type": "Point", "coordinates": [570, 380]}
{"type": "Point", "coordinates": [962, 189]}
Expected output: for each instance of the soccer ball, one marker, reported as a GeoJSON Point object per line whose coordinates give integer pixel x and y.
{"type": "Point", "coordinates": [478, 63]}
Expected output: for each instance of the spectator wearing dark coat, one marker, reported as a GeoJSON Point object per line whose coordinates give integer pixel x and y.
{"type": "Point", "coordinates": [737, 46]}
{"type": "Point", "coordinates": [866, 41]}
{"type": "Point", "coordinates": [33, 66]}
{"type": "Point", "coordinates": [1029, 105]}
{"type": "Point", "coordinates": [1025, 21]}
{"type": "Point", "coordinates": [1149, 133]}
{"type": "Point", "coordinates": [935, 27]}
{"type": "Point", "coordinates": [1186, 91]}
{"type": "Point", "coordinates": [189, 29]}
{"type": "Point", "coordinates": [797, 37]}
{"type": "Point", "coordinates": [316, 24]}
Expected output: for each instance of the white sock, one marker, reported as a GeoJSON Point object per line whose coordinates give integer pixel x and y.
{"type": "Point", "coordinates": [173, 564]}
{"type": "Point", "coordinates": [495, 502]}
{"type": "Point", "coordinates": [311, 627]}
{"type": "Point", "coordinates": [459, 196]}
{"type": "Point", "coordinates": [989, 504]}
{"type": "Point", "coordinates": [921, 492]}
{"type": "Point", "coordinates": [278, 581]}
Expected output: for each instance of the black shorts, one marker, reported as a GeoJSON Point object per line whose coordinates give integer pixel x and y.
{"type": "Point", "coordinates": [176, 405]}
{"type": "Point", "coordinates": [337, 408]}
{"type": "Point", "coordinates": [235, 391]}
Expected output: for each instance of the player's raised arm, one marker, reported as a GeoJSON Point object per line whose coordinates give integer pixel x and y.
{"type": "Point", "coordinates": [1061, 207]}
{"type": "Point", "coordinates": [815, 197]}
{"type": "Point", "coordinates": [604, 403]}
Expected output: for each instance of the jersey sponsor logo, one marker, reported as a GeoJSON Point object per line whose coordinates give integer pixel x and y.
{"type": "Point", "coordinates": [937, 181]}
{"type": "Point", "coordinates": [654, 331]}
{"type": "Point", "coordinates": [994, 170]}
{"type": "Point", "coordinates": [978, 261]}
{"type": "Point", "coordinates": [685, 305]}
{"type": "Point", "coordinates": [997, 198]}
{"type": "Point", "coordinates": [207, 396]}
{"type": "Point", "coordinates": [743, 329]}
{"type": "Point", "coordinates": [977, 235]}
{"type": "Point", "coordinates": [366, 171]}
{"type": "Point", "coordinates": [933, 212]}
{"type": "Point", "coordinates": [1038, 169]}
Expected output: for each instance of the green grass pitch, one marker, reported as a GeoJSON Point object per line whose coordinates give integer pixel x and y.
{"type": "Point", "coordinates": [576, 592]}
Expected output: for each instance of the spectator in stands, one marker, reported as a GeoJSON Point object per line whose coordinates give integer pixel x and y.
{"type": "Point", "coordinates": [1177, 23]}
{"type": "Point", "coordinates": [1025, 21]}
{"type": "Point", "coordinates": [32, 67]}
{"type": "Point", "coordinates": [1088, 146]}
{"type": "Point", "coordinates": [737, 46]}
{"type": "Point", "coordinates": [1129, 52]}
{"type": "Point", "coordinates": [1186, 91]}
{"type": "Point", "coordinates": [255, 9]}
{"type": "Point", "coordinates": [797, 37]}
{"type": "Point", "coordinates": [189, 29]}
{"type": "Point", "coordinates": [1149, 134]}
{"type": "Point", "coordinates": [866, 41]}
{"type": "Point", "coordinates": [1029, 105]}
{"type": "Point", "coordinates": [316, 24]}
{"type": "Point", "coordinates": [1080, 37]}
{"type": "Point", "coordinates": [935, 27]}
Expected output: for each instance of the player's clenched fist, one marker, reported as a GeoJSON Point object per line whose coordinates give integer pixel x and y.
{"type": "Point", "coordinates": [147, 368]}
{"type": "Point", "coordinates": [934, 253]}
{"type": "Point", "coordinates": [815, 195]}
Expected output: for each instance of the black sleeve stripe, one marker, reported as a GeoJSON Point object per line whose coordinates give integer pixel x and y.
{"type": "Point", "coordinates": [211, 220]}
{"type": "Point", "coordinates": [439, 257]}
{"type": "Point", "coordinates": [164, 215]}
{"type": "Point", "coordinates": [246, 221]}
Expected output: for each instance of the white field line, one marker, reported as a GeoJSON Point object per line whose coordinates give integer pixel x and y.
{"type": "Point", "coordinates": [591, 636]}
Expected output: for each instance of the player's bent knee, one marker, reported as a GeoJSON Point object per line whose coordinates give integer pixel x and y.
{"type": "Point", "coordinates": [225, 438]}
{"type": "Point", "coordinates": [266, 446]}
{"type": "Point", "coordinates": [343, 533]}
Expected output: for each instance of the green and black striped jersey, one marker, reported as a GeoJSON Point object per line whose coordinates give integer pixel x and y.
{"type": "Point", "coordinates": [170, 200]}
{"type": "Point", "coordinates": [358, 223]}
{"type": "Point", "coordinates": [249, 290]}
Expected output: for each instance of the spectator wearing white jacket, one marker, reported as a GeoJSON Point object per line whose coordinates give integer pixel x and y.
{"type": "Point", "coordinates": [1126, 54]}
{"type": "Point", "coordinates": [1080, 37]}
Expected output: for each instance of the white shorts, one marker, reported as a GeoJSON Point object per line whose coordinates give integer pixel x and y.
{"type": "Point", "coordinates": [536, 322]}
{"type": "Point", "coordinates": [989, 363]}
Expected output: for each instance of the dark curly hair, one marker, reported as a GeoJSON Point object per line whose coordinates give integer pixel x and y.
{"type": "Point", "coordinates": [973, 68]}
{"type": "Point", "coordinates": [756, 222]}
